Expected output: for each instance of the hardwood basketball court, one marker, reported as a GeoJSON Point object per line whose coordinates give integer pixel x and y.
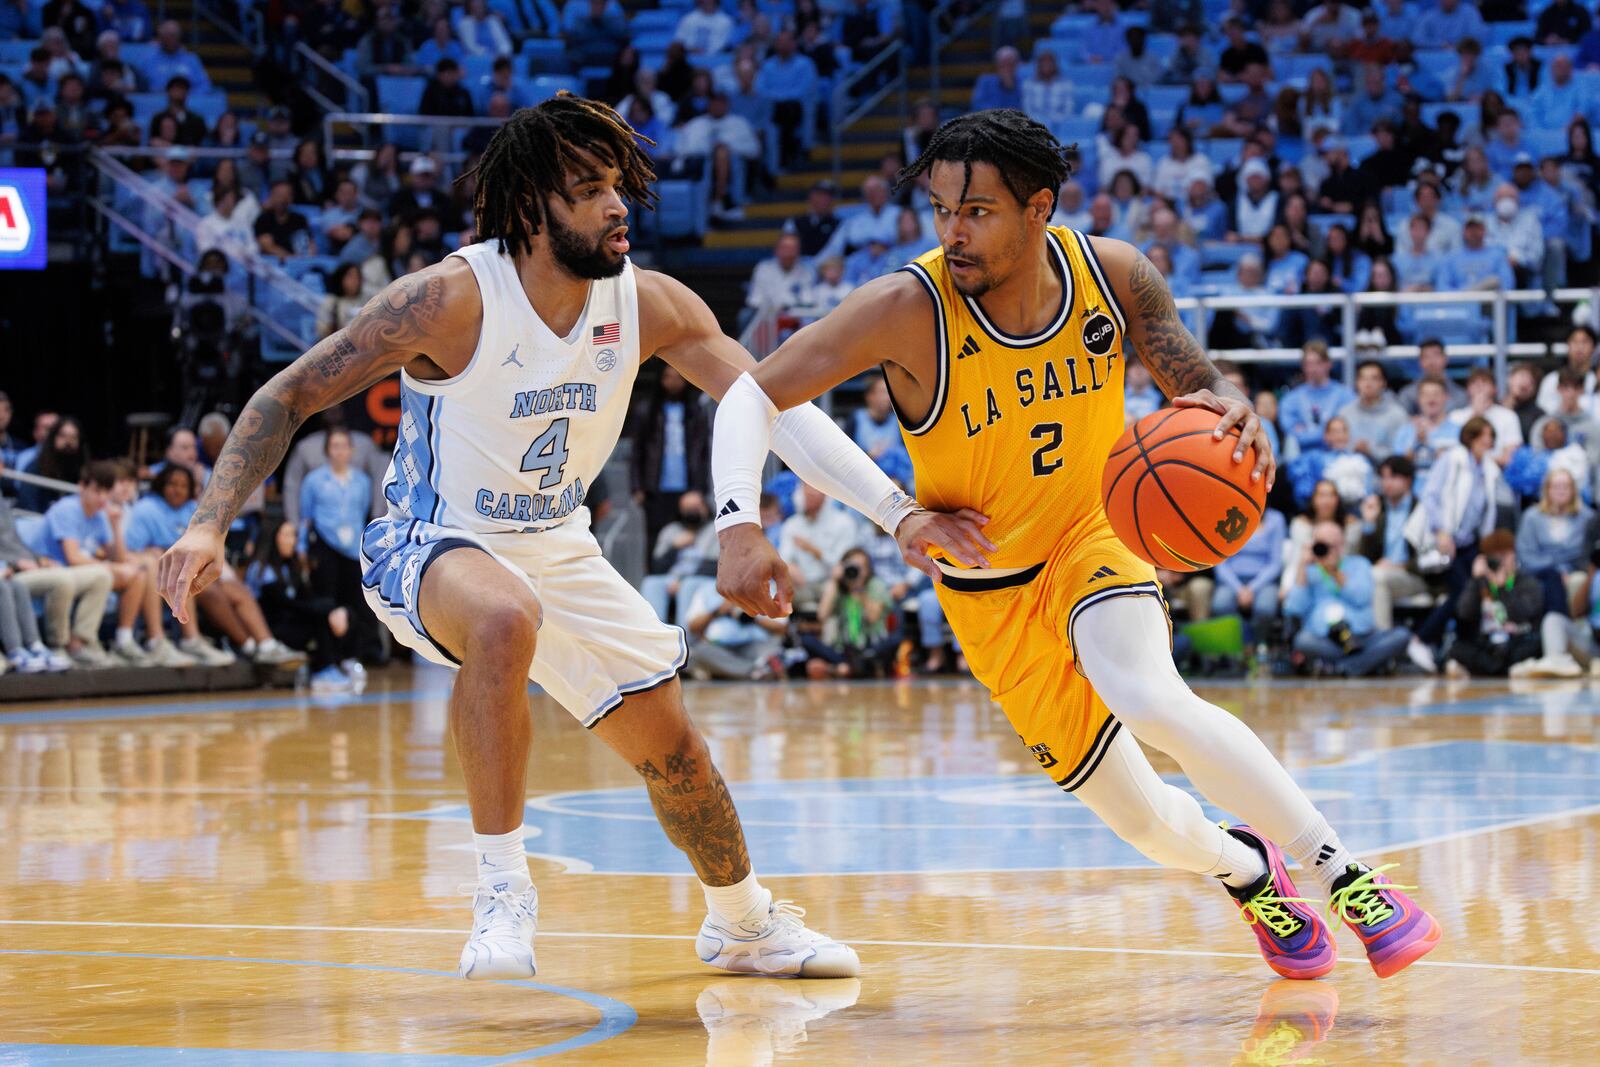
{"type": "Point", "coordinates": [265, 877]}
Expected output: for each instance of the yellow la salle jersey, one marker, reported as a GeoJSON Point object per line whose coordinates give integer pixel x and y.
{"type": "Point", "coordinates": [1020, 426]}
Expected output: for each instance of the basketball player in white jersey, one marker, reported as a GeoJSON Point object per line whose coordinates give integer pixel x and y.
{"type": "Point", "coordinates": [517, 359]}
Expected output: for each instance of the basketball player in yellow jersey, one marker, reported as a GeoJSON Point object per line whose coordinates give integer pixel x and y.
{"type": "Point", "coordinates": [1003, 350]}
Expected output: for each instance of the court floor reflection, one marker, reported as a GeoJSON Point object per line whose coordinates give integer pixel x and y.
{"type": "Point", "coordinates": [246, 876]}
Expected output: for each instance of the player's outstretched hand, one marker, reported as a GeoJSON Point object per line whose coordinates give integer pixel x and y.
{"type": "Point", "coordinates": [749, 568]}
{"type": "Point", "coordinates": [957, 535]}
{"type": "Point", "coordinates": [1237, 412]}
{"type": "Point", "coordinates": [186, 568]}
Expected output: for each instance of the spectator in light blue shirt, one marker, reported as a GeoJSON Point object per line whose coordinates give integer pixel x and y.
{"type": "Point", "coordinates": [334, 500]}
{"type": "Point", "coordinates": [1247, 581]}
{"type": "Point", "coordinates": [1451, 21]}
{"type": "Point", "coordinates": [1306, 409]}
{"type": "Point", "coordinates": [1001, 87]}
{"type": "Point", "coordinates": [159, 519]}
{"type": "Point", "coordinates": [1185, 260]}
{"type": "Point", "coordinates": [1205, 214]}
{"type": "Point", "coordinates": [130, 18]}
{"type": "Point", "coordinates": [789, 80]}
{"type": "Point", "coordinates": [1559, 97]}
{"type": "Point", "coordinates": [1373, 101]}
{"type": "Point", "coordinates": [876, 220]}
{"type": "Point", "coordinates": [875, 428]}
{"type": "Point", "coordinates": [1415, 265]}
{"type": "Point", "coordinates": [873, 261]}
{"type": "Point", "coordinates": [1102, 41]}
{"type": "Point", "coordinates": [79, 518]}
{"type": "Point", "coordinates": [1506, 144]}
{"type": "Point", "coordinates": [1475, 265]}
{"type": "Point", "coordinates": [171, 59]}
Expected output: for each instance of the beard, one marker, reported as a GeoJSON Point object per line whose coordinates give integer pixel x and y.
{"type": "Point", "coordinates": [581, 255]}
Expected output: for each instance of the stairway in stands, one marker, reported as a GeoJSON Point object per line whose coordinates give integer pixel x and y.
{"type": "Point", "coordinates": [229, 63]}
{"type": "Point", "coordinates": [865, 143]}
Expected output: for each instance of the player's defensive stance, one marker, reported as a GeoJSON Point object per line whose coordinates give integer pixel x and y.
{"type": "Point", "coordinates": [517, 358]}
{"type": "Point", "coordinates": [1003, 353]}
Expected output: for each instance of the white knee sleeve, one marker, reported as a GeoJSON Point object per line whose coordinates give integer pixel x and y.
{"type": "Point", "coordinates": [1124, 652]}
{"type": "Point", "coordinates": [1160, 820]}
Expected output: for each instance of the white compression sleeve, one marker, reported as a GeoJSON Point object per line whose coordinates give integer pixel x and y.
{"type": "Point", "coordinates": [827, 459]}
{"type": "Point", "coordinates": [740, 439]}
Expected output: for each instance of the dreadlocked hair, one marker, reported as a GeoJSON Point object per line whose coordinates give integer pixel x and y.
{"type": "Point", "coordinates": [530, 157]}
{"type": "Point", "coordinates": [1025, 152]}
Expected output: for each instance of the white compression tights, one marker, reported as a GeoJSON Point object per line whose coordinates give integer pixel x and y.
{"type": "Point", "coordinates": [1122, 647]}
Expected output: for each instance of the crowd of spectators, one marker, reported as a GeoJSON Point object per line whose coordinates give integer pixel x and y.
{"type": "Point", "coordinates": [78, 555]}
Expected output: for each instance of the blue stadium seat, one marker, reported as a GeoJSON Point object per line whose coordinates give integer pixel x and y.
{"type": "Point", "coordinates": [546, 55]}
{"type": "Point", "coordinates": [1323, 221]}
{"type": "Point", "coordinates": [1166, 97]}
{"type": "Point", "coordinates": [1439, 63]}
{"type": "Point", "coordinates": [1542, 143]}
{"type": "Point", "coordinates": [1501, 33]}
{"type": "Point", "coordinates": [1068, 27]}
{"type": "Point", "coordinates": [652, 40]}
{"type": "Point", "coordinates": [547, 85]}
{"type": "Point", "coordinates": [1361, 147]}
{"type": "Point", "coordinates": [1233, 92]}
{"type": "Point", "coordinates": [511, 11]}
{"type": "Point", "coordinates": [15, 53]}
{"type": "Point", "coordinates": [681, 211]}
{"type": "Point", "coordinates": [1222, 150]}
{"type": "Point", "coordinates": [400, 94]}
{"type": "Point", "coordinates": [209, 105]}
{"type": "Point", "coordinates": [476, 68]}
{"type": "Point", "coordinates": [1297, 65]}
{"type": "Point", "coordinates": [658, 21]}
{"type": "Point", "coordinates": [1223, 255]}
{"type": "Point", "coordinates": [1077, 130]}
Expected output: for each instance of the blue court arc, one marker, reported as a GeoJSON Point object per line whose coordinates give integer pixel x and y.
{"type": "Point", "coordinates": [615, 1018]}
{"type": "Point", "coordinates": [1380, 801]}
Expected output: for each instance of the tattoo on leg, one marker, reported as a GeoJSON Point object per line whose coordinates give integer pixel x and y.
{"type": "Point", "coordinates": [697, 813]}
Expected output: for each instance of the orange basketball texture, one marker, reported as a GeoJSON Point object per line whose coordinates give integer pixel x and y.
{"type": "Point", "coordinates": [1175, 496]}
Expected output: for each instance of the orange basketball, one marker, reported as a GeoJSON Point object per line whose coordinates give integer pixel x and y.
{"type": "Point", "coordinates": [1174, 494]}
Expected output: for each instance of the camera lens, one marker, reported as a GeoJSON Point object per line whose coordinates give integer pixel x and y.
{"type": "Point", "coordinates": [852, 571]}
{"type": "Point", "coordinates": [1319, 550]}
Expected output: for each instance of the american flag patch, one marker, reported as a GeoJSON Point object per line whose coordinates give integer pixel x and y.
{"type": "Point", "coordinates": [609, 334]}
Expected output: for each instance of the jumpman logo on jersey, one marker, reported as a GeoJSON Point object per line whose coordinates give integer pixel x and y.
{"type": "Point", "coordinates": [512, 358]}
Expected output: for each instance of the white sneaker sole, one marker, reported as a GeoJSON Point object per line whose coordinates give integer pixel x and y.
{"type": "Point", "coordinates": [484, 961]}
{"type": "Point", "coordinates": [825, 960]}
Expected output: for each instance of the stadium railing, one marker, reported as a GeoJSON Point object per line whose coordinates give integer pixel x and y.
{"type": "Point", "coordinates": [284, 308]}
{"type": "Point", "coordinates": [766, 330]}
{"type": "Point", "coordinates": [886, 64]}
{"type": "Point", "coordinates": [957, 29]}
{"type": "Point", "coordinates": [325, 79]}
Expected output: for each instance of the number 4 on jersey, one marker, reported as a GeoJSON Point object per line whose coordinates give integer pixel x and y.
{"type": "Point", "coordinates": [548, 453]}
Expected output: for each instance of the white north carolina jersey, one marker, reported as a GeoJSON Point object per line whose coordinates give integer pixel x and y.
{"type": "Point", "coordinates": [513, 442]}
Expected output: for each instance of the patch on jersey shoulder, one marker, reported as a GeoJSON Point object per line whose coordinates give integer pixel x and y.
{"type": "Point", "coordinates": [605, 360]}
{"type": "Point", "coordinates": [1098, 331]}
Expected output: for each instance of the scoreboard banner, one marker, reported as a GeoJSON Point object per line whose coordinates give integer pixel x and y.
{"type": "Point", "coordinates": [22, 219]}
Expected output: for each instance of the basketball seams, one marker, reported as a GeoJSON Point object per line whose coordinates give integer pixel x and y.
{"type": "Point", "coordinates": [1151, 470]}
{"type": "Point", "coordinates": [1213, 474]}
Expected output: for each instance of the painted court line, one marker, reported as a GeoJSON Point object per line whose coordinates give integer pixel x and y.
{"type": "Point", "coordinates": [975, 946]}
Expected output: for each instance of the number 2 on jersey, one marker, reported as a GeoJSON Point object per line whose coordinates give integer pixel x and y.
{"type": "Point", "coordinates": [1052, 431]}
{"type": "Point", "coordinates": [548, 453]}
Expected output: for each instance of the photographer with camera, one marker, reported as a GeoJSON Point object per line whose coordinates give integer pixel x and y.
{"type": "Point", "coordinates": [1497, 614]}
{"type": "Point", "coordinates": [854, 612]}
{"type": "Point", "coordinates": [725, 642]}
{"type": "Point", "coordinates": [1331, 596]}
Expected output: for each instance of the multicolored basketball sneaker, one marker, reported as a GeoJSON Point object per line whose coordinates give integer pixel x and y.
{"type": "Point", "coordinates": [1293, 938]}
{"type": "Point", "coordinates": [1395, 931]}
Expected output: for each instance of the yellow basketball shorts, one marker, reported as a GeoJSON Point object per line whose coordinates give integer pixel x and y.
{"type": "Point", "coordinates": [1017, 635]}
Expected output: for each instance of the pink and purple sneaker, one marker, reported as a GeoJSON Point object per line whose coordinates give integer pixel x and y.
{"type": "Point", "coordinates": [1395, 931]}
{"type": "Point", "coordinates": [1292, 937]}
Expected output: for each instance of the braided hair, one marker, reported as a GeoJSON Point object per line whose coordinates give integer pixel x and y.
{"type": "Point", "coordinates": [1025, 152]}
{"type": "Point", "coordinates": [528, 159]}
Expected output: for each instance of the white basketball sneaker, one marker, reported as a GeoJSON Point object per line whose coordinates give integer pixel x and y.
{"type": "Point", "coordinates": [774, 942]}
{"type": "Point", "coordinates": [503, 921]}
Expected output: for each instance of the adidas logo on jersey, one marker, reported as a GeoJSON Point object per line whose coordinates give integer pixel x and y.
{"type": "Point", "coordinates": [1103, 572]}
{"type": "Point", "coordinates": [969, 347]}
{"type": "Point", "coordinates": [730, 508]}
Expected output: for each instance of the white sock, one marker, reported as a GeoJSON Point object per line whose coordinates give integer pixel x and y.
{"type": "Point", "coordinates": [124, 635]}
{"type": "Point", "coordinates": [1320, 852]}
{"type": "Point", "coordinates": [500, 855]}
{"type": "Point", "coordinates": [733, 903]}
{"type": "Point", "coordinates": [249, 647]}
{"type": "Point", "coordinates": [1239, 865]}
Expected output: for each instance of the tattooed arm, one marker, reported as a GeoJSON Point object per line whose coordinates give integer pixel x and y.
{"type": "Point", "coordinates": [1179, 366]}
{"type": "Point", "coordinates": [427, 322]}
